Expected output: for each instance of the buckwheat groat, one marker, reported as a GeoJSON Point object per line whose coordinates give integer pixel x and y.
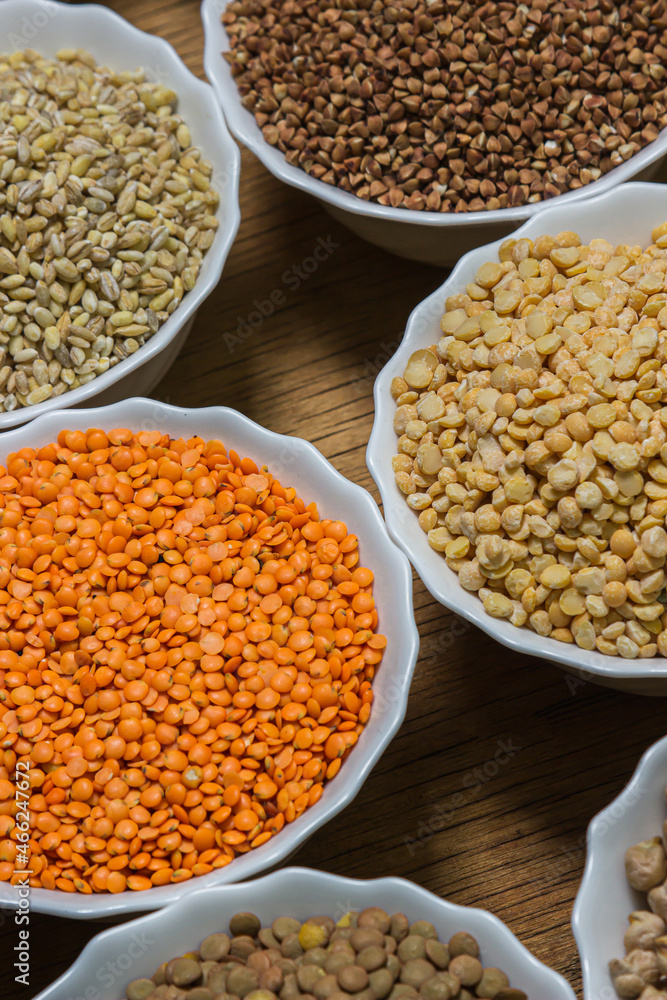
{"type": "Point", "coordinates": [450, 106]}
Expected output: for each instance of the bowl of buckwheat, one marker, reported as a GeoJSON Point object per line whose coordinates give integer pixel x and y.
{"type": "Point", "coordinates": [432, 128]}
{"type": "Point", "coordinates": [118, 206]}
{"type": "Point", "coordinates": [520, 439]}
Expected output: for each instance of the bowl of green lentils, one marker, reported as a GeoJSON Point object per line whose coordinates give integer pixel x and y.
{"type": "Point", "coordinates": [302, 933]}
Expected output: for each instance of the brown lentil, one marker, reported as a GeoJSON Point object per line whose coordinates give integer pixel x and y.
{"type": "Point", "coordinates": [534, 436]}
{"type": "Point", "coordinates": [106, 212]}
{"type": "Point", "coordinates": [302, 977]}
{"type": "Point", "coordinates": [447, 106]}
{"type": "Point", "coordinates": [186, 658]}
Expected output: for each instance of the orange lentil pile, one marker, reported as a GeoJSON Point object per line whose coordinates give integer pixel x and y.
{"type": "Point", "coordinates": [186, 657]}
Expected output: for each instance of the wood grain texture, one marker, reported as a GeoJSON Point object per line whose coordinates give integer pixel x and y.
{"type": "Point", "coordinates": [447, 806]}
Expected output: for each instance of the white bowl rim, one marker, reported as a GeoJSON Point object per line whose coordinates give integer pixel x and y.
{"type": "Point", "coordinates": [589, 665]}
{"type": "Point", "coordinates": [287, 878]}
{"type": "Point", "coordinates": [594, 834]}
{"type": "Point", "coordinates": [241, 123]}
{"type": "Point", "coordinates": [278, 848]}
{"type": "Point", "coordinates": [228, 211]}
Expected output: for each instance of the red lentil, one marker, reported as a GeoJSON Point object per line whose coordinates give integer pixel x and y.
{"type": "Point", "coordinates": [186, 656]}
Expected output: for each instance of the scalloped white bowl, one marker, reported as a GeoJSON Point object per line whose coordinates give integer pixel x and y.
{"type": "Point", "coordinates": [296, 463]}
{"type": "Point", "coordinates": [137, 948]}
{"type": "Point", "coordinates": [439, 238]}
{"type": "Point", "coordinates": [624, 215]}
{"type": "Point", "coordinates": [47, 26]}
{"type": "Point", "coordinates": [605, 898]}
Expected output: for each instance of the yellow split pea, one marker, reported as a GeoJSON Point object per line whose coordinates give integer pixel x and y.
{"type": "Point", "coordinates": [532, 440]}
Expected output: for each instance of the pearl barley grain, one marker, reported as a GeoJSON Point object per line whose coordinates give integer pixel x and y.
{"type": "Point", "coordinates": [543, 480]}
{"type": "Point", "coordinates": [106, 213]}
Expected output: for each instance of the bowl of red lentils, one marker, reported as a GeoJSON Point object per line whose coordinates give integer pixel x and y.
{"type": "Point", "coordinates": [303, 932]}
{"type": "Point", "coordinates": [194, 640]}
{"type": "Point", "coordinates": [433, 128]}
{"type": "Point", "coordinates": [519, 441]}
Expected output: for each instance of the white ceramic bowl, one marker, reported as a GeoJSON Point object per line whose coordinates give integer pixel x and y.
{"type": "Point", "coordinates": [137, 948]}
{"type": "Point", "coordinates": [296, 463]}
{"type": "Point", "coordinates": [48, 26]}
{"type": "Point", "coordinates": [605, 899]}
{"type": "Point", "coordinates": [626, 214]}
{"type": "Point", "coordinates": [438, 238]}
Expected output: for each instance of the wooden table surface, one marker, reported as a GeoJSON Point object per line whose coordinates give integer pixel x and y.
{"type": "Point", "coordinates": [447, 806]}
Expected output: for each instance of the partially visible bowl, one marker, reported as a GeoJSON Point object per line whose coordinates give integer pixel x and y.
{"type": "Point", "coordinates": [626, 214]}
{"type": "Point", "coordinates": [295, 463]}
{"type": "Point", "coordinates": [145, 943]}
{"type": "Point", "coordinates": [113, 41]}
{"type": "Point", "coordinates": [605, 898]}
{"type": "Point", "coordinates": [438, 238]}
